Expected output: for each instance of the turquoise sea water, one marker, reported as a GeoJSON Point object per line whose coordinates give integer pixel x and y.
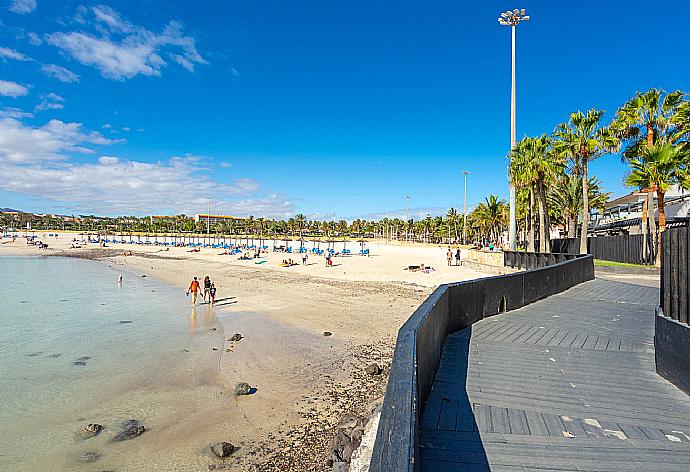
{"type": "Point", "coordinates": [67, 359]}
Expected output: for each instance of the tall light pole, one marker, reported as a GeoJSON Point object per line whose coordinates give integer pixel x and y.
{"type": "Point", "coordinates": [464, 206]}
{"type": "Point", "coordinates": [407, 218]}
{"type": "Point", "coordinates": [512, 18]}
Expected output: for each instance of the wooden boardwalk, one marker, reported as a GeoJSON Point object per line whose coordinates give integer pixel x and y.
{"type": "Point", "coordinates": [564, 384]}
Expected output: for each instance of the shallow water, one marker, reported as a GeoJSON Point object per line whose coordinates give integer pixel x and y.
{"type": "Point", "coordinates": [67, 359]}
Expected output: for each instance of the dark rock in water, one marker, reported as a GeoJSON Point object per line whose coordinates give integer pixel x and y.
{"type": "Point", "coordinates": [82, 359]}
{"type": "Point", "coordinates": [374, 369]}
{"type": "Point", "coordinates": [131, 433]}
{"type": "Point", "coordinates": [220, 466]}
{"type": "Point", "coordinates": [144, 275]}
{"type": "Point", "coordinates": [222, 449]}
{"type": "Point", "coordinates": [215, 348]}
{"type": "Point", "coordinates": [89, 431]}
{"type": "Point", "coordinates": [236, 337]}
{"type": "Point", "coordinates": [327, 333]}
{"type": "Point", "coordinates": [79, 363]}
{"type": "Point", "coordinates": [242, 388]}
{"type": "Point", "coordinates": [129, 424]}
{"type": "Point", "coordinates": [54, 356]}
{"type": "Point", "coordinates": [89, 457]}
{"type": "Point", "coordinates": [34, 354]}
{"type": "Point", "coordinates": [125, 322]}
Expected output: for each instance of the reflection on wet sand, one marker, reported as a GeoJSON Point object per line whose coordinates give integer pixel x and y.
{"type": "Point", "coordinates": [192, 321]}
{"type": "Point", "coordinates": [208, 318]}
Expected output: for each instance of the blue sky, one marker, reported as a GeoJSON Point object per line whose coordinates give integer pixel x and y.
{"type": "Point", "coordinates": [331, 109]}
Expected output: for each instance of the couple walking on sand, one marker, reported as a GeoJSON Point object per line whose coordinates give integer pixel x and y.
{"type": "Point", "coordinates": [209, 290]}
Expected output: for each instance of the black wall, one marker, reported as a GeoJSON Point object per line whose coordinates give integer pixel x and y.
{"type": "Point", "coordinates": [623, 248]}
{"type": "Point", "coordinates": [672, 351]}
{"type": "Point", "coordinates": [672, 335]}
{"type": "Point", "coordinates": [420, 341]}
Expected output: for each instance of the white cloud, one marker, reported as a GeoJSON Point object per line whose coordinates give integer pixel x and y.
{"type": "Point", "coordinates": [34, 39]}
{"type": "Point", "coordinates": [60, 73]}
{"type": "Point", "coordinates": [36, 161]}
{"type": "Point", "coordinates": [7, 53]}
{"type": "Point", "coordinates": [51, 101]}
{"type": "Point", "coordinates": [22, 6]}
{"type": "Point", "coordinates": [125, 128]}
{"type": "Point", "coordinates": [17, 113]}
{"type": "Point", "coordinates": [107, 126]}
{"type": "Point", "coordinates": [12, 89]}
{"type": "Point", "coordinates": [225, 165]}
{"type": "Point", "coordinates": [122, 50]}
{"type": "Point", "coordinates": [20, 144]}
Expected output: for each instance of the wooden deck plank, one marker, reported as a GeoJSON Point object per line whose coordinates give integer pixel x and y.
{"type": "Point", "coordinates": [567, 383]}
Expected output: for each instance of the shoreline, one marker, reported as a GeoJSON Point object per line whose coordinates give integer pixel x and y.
{"type": "Point", "coordinates": [305, 382]}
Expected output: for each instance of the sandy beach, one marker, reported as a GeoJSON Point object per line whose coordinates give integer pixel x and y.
{"type": "Point", "coordinates": [305, 381]}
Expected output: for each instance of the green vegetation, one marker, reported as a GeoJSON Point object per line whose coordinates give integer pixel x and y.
{"type": "Point", "coordinates": [603, 263]}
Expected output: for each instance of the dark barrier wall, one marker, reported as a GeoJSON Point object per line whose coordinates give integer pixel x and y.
{"type": "Point", "coordinates": [672, 335]}
{"type": "Point", "coordinates": [672, 351]}
{"type": "Point", "coordinates": [450, 308]}
{"type": "Point", "coordinates": [624, 248]}
{"type": "Point", "coordinates": [674, 273]}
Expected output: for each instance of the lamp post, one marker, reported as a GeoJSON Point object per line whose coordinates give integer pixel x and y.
{"type": "Point", "coordinates": [464, 206]}
{"type": "Point", "coordinates": [512, 18]}
{"type": "Point", "coordinates": [407, 218]}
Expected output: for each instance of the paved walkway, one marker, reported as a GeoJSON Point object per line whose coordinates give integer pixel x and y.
{"type": "Point", "coordinates": [565, 384]}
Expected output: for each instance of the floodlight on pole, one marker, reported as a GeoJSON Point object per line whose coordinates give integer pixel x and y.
{"type": "Point", "coordinates": [464, 206]}
{"type": "Point", "coordinates": [512, 19]}
{"type": "Point", "coordinates": [407, 217]}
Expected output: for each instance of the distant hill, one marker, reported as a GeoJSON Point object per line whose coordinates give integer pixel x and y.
{"type": "Point", "coordinates": [3, 210]}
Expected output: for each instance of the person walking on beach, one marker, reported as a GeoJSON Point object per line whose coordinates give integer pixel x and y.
{"type": "Point", "coordinates": [457, 257]}
{"type": "Point", "coordinates": [449, 257]}
{"type": "Point", "coordinates": [304, 258]}
{"type": "Point", "coordinates": [194, 289]}
{"type": "Point", "coordinates": [207, 286]}
{"type": "Point", "coordinates": [212, 294]}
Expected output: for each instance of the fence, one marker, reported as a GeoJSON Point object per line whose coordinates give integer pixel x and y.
{"type": "Point", "coordinates": [534, 260]}
{"type": "Point", "coordinates": [674, 273]}
{"type": "Point", "coordinates": [672, 331]}
{"type": "Point", "coordinates": [623, 248]}
{"type": "Point", "coordinates": [452, 307]}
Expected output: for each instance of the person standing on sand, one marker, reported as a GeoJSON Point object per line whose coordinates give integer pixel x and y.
{"type": "Point", "coordinates": [194, 288]}
{"type": "Point", "coordinates": [212, 294]}
{"type": "Point", "coordinates": [304, 258]}
{"type": "Point", "coordinates": [449, 257]}
{"type": "Point", "coordinates": [207, 286]}
{"type": "Point", "coordinates": [457, 257]}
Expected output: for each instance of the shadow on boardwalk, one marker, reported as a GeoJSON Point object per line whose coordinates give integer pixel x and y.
{"type": "Point", "coordinates": [449, 408]}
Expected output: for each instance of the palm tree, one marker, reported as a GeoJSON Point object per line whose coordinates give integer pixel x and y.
{"type": "Point", "coordinates": [658, 167]}
{"type": "Point", "coordinates": [522, 176]}
{"type": "Point", "coordinates": [452, 219]}
{"type": "Point", "coordinates": [565, 200]}
{"type": "Point", "coordinates": [582, 140]}
{"type": "Point", "coordinates": [490, 216]}
{"type": "Point", "coordinates": [642, 121]}
{"type": "Point", "coordinates": [534, 163]}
